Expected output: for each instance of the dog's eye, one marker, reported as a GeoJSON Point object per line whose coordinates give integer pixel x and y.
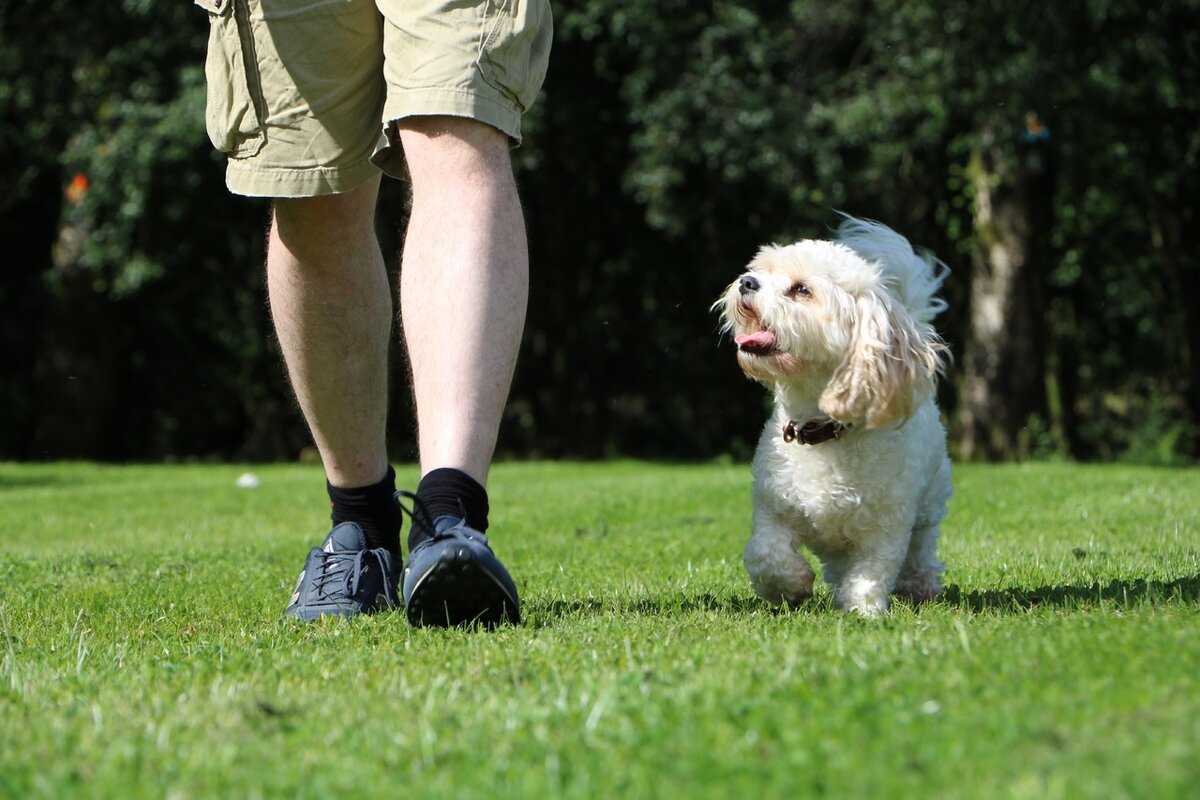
{"type": "Point", "coordinates": [800, 289]}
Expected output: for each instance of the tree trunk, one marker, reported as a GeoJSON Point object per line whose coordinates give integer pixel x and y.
{"type": "Point", "coordinates": [76, 380]}
{"type": "Point", "coordinates": [1003, 382]}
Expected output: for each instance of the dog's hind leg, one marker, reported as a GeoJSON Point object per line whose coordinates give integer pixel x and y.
{"type": "Point", "coordinates": [778, 574]}
{"type": "Point", "coordinates": [920, 577]}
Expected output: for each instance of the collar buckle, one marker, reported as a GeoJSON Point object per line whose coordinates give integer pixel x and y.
{"type": "Point", "coordinates": [815, 431]}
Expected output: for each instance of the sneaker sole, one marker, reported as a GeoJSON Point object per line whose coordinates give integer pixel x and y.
{"type": "Point", "coordinates": [458, 591]}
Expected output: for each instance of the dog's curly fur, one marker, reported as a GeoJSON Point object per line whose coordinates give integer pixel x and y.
{"type": "Point", "coordinates": [841, 331]}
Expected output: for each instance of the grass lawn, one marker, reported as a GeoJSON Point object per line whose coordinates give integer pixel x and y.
{"type": "Point", "coordinates": [141, 654]}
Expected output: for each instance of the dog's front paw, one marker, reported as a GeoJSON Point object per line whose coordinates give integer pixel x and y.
{"type": "Point", "coordinates": [778, 574]}
{"type": "Point", "coordinates": [868, 598]}
{"type": "Point", "coordinates": [791, 592]}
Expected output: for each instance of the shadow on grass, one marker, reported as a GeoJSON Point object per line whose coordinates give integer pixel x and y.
{"type": "Point", "coordinates": [1124, 594]}
{"type": "Point", "coordinates": [673, 605]}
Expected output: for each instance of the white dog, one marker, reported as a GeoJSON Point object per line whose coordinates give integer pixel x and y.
{"type": "Point", "coordinates": [852, 463]}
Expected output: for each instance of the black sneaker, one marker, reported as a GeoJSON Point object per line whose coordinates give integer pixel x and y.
{"type": "Point", "coordinates": [454, 578]}
{"type": "Point", "coordinates": [344, 577]}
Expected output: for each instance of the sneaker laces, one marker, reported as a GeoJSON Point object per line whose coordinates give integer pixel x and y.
{"type": "Point", "coordinates": [419, 514]}
{"type": "Point", "coordinates": [348, 567]}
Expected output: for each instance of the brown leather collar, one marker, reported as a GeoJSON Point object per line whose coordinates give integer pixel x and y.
{"type": "Point", "coordinates": [814, 431]}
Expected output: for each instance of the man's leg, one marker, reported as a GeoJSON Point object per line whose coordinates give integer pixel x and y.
{"type": "Point", "coordinates": [464, 287]}
{"type": "Point", "coordinates": [332, 308]}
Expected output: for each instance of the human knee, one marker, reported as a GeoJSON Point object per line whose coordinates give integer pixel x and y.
{"type": "Point", "coordinates": [442, 148]}
{"type": "Point", "coordinates": [301, 218]}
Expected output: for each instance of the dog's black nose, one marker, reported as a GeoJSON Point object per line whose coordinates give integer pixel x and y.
{"type": "Point", "coordinates": [748, 284]}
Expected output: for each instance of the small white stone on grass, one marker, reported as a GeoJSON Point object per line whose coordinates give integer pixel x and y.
{"type": "Point", "coordinates": [248, 480]}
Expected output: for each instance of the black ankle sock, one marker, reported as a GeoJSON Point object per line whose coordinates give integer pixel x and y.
{"type": "Point", "coordinates": [450, 492]}
{"type": "Point", "coordinates": [373, 508]}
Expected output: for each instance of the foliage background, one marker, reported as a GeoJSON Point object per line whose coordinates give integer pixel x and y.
{"type": "Point", "coordinates": [672, 139]}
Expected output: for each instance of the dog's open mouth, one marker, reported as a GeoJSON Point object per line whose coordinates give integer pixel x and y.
{"type": "Point", "coordinates": [758, 343]}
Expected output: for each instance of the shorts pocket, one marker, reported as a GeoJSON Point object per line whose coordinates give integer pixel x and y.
{"type": "Point", "coordinates": [235, 108]}
{"type": "Point", "coordinates": [516, 50]}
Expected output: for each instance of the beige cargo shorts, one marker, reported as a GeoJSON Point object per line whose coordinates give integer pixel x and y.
{"type": "Point", "coordinates": [304, 95]}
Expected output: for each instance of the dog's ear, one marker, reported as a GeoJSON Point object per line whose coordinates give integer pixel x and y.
{"type": "Point", "coordinates": [890, 368]}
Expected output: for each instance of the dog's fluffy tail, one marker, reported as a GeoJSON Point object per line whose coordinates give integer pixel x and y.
{"type": "Point", "coordinates": [914, 275]}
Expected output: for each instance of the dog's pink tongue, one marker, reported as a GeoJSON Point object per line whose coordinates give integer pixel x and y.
{"type": "Point", "coordinates": [756, 339]}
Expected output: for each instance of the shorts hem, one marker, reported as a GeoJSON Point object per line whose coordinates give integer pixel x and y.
{"type": "Point", "coordinates": [405, 103]}
{"type": "Point", "coordinates": [257, 181]}
{"type": "Point", "coordinates": [453, 103]}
